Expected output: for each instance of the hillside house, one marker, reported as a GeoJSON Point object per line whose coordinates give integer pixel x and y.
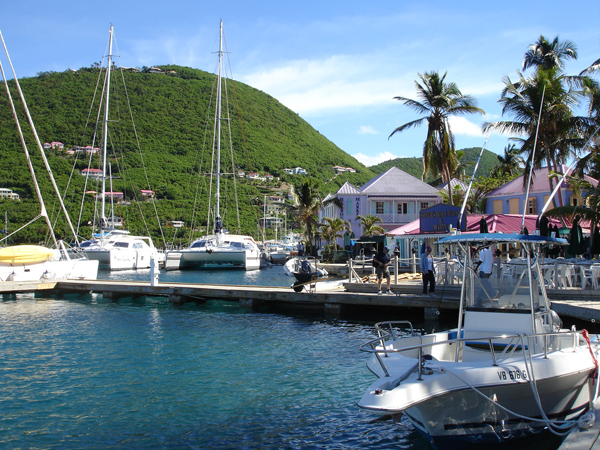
{"type": "Point", "coordinates": [252, 176]}
{"type": "Point", "coordinates": [394, 196]}
{"type": "Point", "coordinates": [510, 198]}
{"type": "Point", "coordinates": [340, 169]}
{"type": "Point", "coordinates": [8, 194]}
{"type": "Point", "coordinates": [147, 193]}
{"type": "Point", "coordinates": [91, 173]}
{"type": "Point", "coordinates": [86, 150]}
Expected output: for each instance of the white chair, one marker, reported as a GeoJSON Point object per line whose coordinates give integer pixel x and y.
{"type": "Point", "coordinates": [563, 276]}
{"type": "Point", "coordinates": [587, 276]}
{"type": "Point", "coordinates": [595, 276]}
{"type": "Point", "coordinates": [548, 272]}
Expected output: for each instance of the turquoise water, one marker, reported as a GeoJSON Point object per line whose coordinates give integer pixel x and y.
{"type": "Point", "coordinates": [84, 372]}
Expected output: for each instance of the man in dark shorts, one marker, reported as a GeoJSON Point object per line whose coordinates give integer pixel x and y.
{"type": "Point", "coordinates": [381, 262]}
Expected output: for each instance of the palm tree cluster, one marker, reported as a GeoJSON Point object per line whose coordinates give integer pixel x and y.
{"type": "Point", "coordinates": [541, 106]}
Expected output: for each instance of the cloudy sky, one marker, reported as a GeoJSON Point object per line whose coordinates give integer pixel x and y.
{"type": "Point", "coordinates": [338, 64]}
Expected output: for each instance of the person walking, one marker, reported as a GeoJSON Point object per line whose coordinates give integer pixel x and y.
{"type": "Point", "coordinates": [427, 271]}
{"type": "Point", "coordinates": [382, 261]}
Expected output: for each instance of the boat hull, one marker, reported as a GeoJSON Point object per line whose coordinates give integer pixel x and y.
{"type": "Point", "coordinates": [217, 258]}
{"type": "Point", "coordinates": [449, 405]}
{"type": "Point", "coordinates": [75, 269]}
{"type": "Point", "coordinates": [470, 418]}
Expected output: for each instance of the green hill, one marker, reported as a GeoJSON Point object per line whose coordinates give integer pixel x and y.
{"type": "Point", "coordinates": [414, 166]}
{"type": "Point", "coordinates": [170, 115]}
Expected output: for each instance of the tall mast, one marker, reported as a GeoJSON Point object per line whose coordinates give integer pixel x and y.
{"type": "Point", "coordinates": [218, 194]}
{"type": "Point", "coordinates": [103, 212]}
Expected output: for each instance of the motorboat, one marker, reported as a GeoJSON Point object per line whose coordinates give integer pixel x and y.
{"type": "Point", "coordinates": [39, 262]}
{"type": "Point", "coordinates": [305, 269]}
{"type": "Point", "coordinates": [120, 250]}
{"type": "Point", "coordinates": [508, 370]}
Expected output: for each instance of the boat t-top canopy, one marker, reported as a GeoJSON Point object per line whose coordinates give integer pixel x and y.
{"type": "Point", "coordinates": [500, 238]}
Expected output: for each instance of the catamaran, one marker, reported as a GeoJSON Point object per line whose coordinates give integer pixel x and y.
{"type": "Point", "coordinates": [220, 249]}
{"type": "Point", "coordinates": [113, 248]}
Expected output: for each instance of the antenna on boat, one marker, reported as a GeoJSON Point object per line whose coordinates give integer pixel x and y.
{"type": "Point", "coordinates": [464, 205]}
{"type": "Point", "coordinates": [537, 130]}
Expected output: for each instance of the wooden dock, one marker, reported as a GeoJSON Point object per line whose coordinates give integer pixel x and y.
{"type": "Point", "coordinates": [583, 305]}
{"type": "Point", "coordinates": [582, 438]}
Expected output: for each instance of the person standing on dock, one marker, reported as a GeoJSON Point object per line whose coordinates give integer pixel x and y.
{"type": "Point", "coordinates": [382, 261]}
{"type": "Point", "coordinates": [427, 271]}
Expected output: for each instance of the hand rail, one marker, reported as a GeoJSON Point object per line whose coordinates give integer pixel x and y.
{"type": "Point", "coordinates": [515, 341]}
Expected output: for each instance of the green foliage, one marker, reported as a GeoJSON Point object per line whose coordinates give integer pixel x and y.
{"type": "Point", "coordinates": [170, 112]}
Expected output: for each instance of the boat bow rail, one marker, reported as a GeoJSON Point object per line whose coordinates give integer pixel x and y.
{"type": "Point", "coordinates": [500, 347]}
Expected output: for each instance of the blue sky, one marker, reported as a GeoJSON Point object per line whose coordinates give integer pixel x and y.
{"type": "Point", "coordinates": [338, 64]}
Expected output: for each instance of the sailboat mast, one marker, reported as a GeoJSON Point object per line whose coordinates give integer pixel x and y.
{"type": "Point", "coordinates": [218, 194]}
{"type": "Point", "coordinates": [103, 196]}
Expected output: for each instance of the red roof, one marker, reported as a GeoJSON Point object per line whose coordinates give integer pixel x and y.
{"type": "Point", "coordinates": [497, 223]}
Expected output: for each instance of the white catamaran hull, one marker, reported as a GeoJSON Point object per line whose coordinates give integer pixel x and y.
{"type": "Point", "coordinates": [243, 259]}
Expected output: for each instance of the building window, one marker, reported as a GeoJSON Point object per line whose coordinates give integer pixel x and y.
{"type": "Point", "coordinates": [424, 205]}
{"type": "Point", "coordinates": [402, 208]}
{"type": "Point", "coordinates": [378, 207]}
{"type": "Point", "coordinates": [348, 206]}
{"type": "Point", "coordinates": [532, 206]}
{"type": "Point", "coordinates": [574, 201]}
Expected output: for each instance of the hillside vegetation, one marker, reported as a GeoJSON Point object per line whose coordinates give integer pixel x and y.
{"type": "Point", "coordinates": [414, 166]}
{"type": "Point", "coordinates": [170, 116]}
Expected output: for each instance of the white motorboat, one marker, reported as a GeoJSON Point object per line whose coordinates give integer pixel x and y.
{"type": "Point", "coordinates": [507, 371]}
{"type": "Point", "coordinates": [36, 262]}
{"type": "Point", "coordinates": [221, 249]}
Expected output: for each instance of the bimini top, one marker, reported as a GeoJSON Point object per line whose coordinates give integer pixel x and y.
{"type": "Point", "coordinates": [492, 238]}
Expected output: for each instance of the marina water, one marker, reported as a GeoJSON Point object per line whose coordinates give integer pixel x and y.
{"type": "Point", "coordinates": [85, 372]}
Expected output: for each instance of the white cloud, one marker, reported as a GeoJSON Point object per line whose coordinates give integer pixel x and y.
{"type": "Point", "coordinates": [334, 83]}
{"type": "Point", "coordinates": [462, 126]}
{"type": "Point", "coordinates": [367, 129]}
{"type": "Point", "coordinates": [369, 160]}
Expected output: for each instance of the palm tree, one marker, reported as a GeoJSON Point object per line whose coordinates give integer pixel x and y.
{"type": "Point", "coordinates": [333, 228]}
{"type": "Point", "coordinates": [510, 163]}
{"type": "Point", "coordinates": [439, 100]}
{"type": "Point", "coordinates": [369, 225]}
{"type": "Point", "coordinates": [309, 205]}
{"type": "Point", "coordinates": [560, 131]}
{"type": "Point", "coordinates": [549, 55]}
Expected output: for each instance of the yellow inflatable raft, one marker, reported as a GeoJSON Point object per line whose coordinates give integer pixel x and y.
{"type": "Point", "coordinates": [25, 254]}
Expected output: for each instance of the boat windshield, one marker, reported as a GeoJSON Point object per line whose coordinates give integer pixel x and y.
{"type": "Point", "coordinates": [512, 286]}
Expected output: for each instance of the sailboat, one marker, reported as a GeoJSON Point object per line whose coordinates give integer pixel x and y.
{"type": "Point", "coordinates": [220, 249]}
{"type": "Point", "coordinates": [37, 262]}
{"type": "Point", "coordinates": [113, 248]}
